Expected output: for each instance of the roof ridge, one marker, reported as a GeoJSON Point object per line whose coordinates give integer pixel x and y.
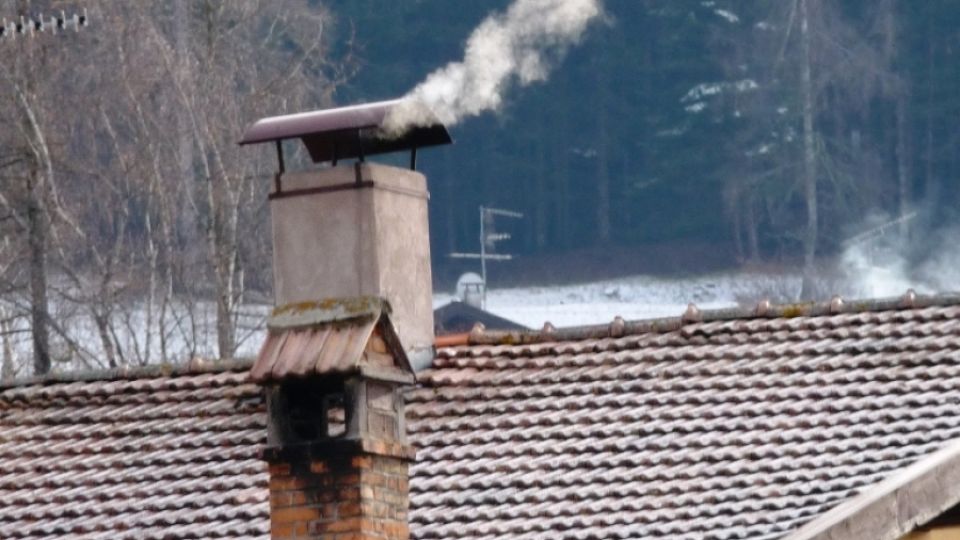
{"type": "Point", "coordinates": [763, 310]}
{"type": "Point", "coordinates": [196, 366]}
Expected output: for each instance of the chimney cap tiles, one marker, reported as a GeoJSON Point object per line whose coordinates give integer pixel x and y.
{"type": "Point", "coordinates": [351, 132]}
{"type": "Point", "coordinates": [334, 336]}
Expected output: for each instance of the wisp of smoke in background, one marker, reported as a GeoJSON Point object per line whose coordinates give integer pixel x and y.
{"type": "Point", "coordinates": [925, 260]}
{"type": "Point", "coordinates": [516, 47]}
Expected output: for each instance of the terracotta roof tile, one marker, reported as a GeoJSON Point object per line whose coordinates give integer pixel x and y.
{"type": "Point", "coordinates": [726, 427]}
{"type": "Point", "coordinates": [729, 426]}
{"type": "Point", "coordinates": [165, 456]}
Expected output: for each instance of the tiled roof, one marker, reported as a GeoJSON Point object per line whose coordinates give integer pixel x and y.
{"type": "Point", "coordinates": [722, 425]}
{"type": "Point", "coordinates": [157, 455]}
{"type": "Point", "coordinates": [728, 426]}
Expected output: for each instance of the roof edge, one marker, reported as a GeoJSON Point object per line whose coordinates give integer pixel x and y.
{"type": "Point", "coordinates": [194, 367]}
{"type": "Point", "coordinates": [763, 310]}
{"type": "Point", "coordinates": [895, 506]}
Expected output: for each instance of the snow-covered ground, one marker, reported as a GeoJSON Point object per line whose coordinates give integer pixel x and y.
{"type": "Point", "coordinates": [188, 330]}
{"type": "Point", "coordinates": [637, 297]}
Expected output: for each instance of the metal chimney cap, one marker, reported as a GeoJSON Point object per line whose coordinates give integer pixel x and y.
{"type": "Point", "coordinates": [347, 132]}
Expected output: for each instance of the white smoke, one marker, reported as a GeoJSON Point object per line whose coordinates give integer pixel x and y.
{"type": "Point", "coordinates": [926, 261]}
{"type": "Point", "coordinates": [513, 47]}
{"type": "Point", "coordinates": [883, 272]}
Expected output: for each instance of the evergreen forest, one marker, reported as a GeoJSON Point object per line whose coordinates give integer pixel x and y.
{"type": "Point", "coordinates": [683, 123]}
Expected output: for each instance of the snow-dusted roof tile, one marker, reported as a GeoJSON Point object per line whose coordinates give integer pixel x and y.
{"type": "Point", "coordinates": [729, 425]}
{"type": "Point", "coordinates": [726, 425]}
{"type": "Point", "coordinates": [158, 453]}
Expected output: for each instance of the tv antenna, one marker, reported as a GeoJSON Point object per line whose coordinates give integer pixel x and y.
{"type": "Point", "coordinates": [488, 242]}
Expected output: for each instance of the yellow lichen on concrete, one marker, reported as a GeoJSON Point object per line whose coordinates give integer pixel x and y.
{"type": "Point", "coordinates": [359, 304]}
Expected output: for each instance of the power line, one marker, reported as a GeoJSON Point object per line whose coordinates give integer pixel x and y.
{"type": "Point", "coordinates": [29, 26]}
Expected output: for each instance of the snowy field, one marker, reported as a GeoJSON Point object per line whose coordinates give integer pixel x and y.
{"type": "Point", "coordinates": [637, 297]}
{"type": "Point", "coordinates": [187, 330]}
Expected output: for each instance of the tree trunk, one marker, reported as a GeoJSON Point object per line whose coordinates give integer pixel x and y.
{"type": "Point", "coordinates": [223, 251]}
{"type": "Point", "coordinates": [809, 155]}
{"type": "Point", "coordinates": [102, 323]}
{"type": "Point", "coordinates": [7, 372]}
{"type": "Point", "coordinates": [185, 136]}
{"type": "Point", "coordinates": [603, 151]}
{"type": "Point", "coordinates": [39, 309]}
{"type": "Point", "coordinates": [753, 242]}
{"type": "Point", "coordinates": [540, 225]}
{"type": "Point", "coordinates": [931, 185]}
{"type": "Point", "coordinates": [903, 161]}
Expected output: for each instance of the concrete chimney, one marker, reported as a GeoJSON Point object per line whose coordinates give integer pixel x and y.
{"type": "Point", "coordinates": [358, 229]}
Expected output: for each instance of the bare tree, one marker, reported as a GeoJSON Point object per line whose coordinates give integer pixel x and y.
{"type": "Point", "coordinates": [29, 203]}
{"type": "Point", "coordinates": [139, 210]}
{"type": "Point", "coordinates": [809, 151]}
{"type": "Point", "coordinates": [814, 78]}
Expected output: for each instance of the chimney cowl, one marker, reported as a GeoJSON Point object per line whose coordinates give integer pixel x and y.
{"type": "Point", "coordinates": [357, 131]}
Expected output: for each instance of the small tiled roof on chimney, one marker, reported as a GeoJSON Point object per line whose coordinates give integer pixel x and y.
{"type": "Point", "coordinates": [342, 336]}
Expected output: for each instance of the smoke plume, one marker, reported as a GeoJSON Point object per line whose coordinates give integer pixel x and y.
{"type": "Point", "coordinates": [925, 260]}
{"type": "Point", "coordinates": [516, 47]}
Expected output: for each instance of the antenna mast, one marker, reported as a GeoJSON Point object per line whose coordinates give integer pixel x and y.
{"type": "Point", "coordinates": [489, 239]}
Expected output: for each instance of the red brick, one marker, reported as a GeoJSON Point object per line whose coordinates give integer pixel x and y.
{"type": "Point", "coordinates": [279, 499]}
{"type": "Point", "coordinates": [282, 483]}
{"type": "Point", "coordinates": [357, 499]}
{"type": "Point", "coordinates": [294, 515]}
{"type": "Point", "coordinates": [353, 524]}
{"type": "Point", "coordinates": [350, 479]}
{"type": "Point", "coordinates": [375, 479]}
{"type": "Point", "coordinates": [352, 493]}
{"type": "Point", "coordinates": [362, 462]}
{"type": "Point", "coordinates": [280, 469]}
{"type": "Point", "coordinates": [349, 509]}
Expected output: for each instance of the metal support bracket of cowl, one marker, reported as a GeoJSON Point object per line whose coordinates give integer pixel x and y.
{"type": "Point", "coordinates": [281, 168]}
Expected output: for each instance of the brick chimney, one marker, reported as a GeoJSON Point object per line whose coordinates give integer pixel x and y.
{"type": "Point", "coordinates": [337, 450]}
{"type": "Point", "coordinates": [352, 283]}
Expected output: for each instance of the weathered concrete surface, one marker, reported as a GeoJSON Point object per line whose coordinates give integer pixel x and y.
{"type": "Point", "coordinates": [896, 506]}
{"type": "Point", "coordinates": [371, 241]}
